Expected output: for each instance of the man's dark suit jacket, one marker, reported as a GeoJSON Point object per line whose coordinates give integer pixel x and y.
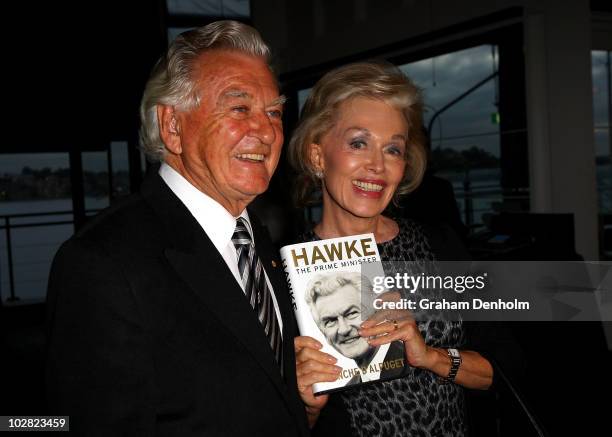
{"type": "Point", "coordinates": [151, 335]}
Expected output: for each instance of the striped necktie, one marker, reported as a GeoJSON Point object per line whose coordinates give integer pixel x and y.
{"type": "Point", "coordinates": [256, 288]}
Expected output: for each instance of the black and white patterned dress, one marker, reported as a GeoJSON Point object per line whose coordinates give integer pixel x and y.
{"type": "Point", "coordinates": [414, 405]}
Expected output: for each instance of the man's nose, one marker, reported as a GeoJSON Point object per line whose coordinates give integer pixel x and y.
{"type": "Point", "coordinates": [262, 128]}
{"type": "Point", "coordinates": [344, 328]}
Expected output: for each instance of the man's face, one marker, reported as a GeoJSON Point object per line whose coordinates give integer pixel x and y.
{"type": "Point", "coordinates": [340, 319]}
{"type": "Point", "coordinates": [231, 143]}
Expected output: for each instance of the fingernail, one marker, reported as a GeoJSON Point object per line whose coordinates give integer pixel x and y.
{"type": "Point", "coordinates": [338, 368]}
{"type": "Point", "coordinates": [331, 359]}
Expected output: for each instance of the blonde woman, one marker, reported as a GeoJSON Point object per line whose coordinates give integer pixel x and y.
{"type": "Point", "coordinates": [359, 142]}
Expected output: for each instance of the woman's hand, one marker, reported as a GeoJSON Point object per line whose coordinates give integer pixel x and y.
{"type": "Point", "coordinates": [389, 325]}
{"type": "Point", "coordinates": [312, 366]}
{"type": "Point", "coordinates": [400, 327]}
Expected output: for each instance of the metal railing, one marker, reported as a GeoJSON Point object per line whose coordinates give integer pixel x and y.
{"type": "Point", "coordinates": [7, 223]}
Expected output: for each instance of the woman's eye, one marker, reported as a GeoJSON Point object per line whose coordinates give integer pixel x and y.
{"type": "Point", "coordinates": [357, 144]}
{"type": "Point", "coordinates": [395, 150]}
{"type": "Point", "coordinates": [275, 113]}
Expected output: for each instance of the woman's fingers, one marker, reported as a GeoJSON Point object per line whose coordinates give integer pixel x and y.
{"type": "Point", "coordinates": [307, 353]}
{"type": "Point", "coordinates": [389, 331]}
{"type": "Point", "coordinates": [385, 315]}
{"type": "Point", "coordinates": [307, 348]}
{"type": "Point", "coordinates": [312, 366]}
{"type": "Point", "coordinates": [387, 327]}
{"type": "Point", "coordinates": [303, 341]}
{"type": "Point", "coordinates": [305, 380]}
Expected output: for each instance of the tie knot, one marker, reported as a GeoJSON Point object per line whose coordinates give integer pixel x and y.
{"type": "Point", "coordinates": [241, 235]}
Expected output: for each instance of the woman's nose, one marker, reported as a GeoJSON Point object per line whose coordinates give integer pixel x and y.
{"type": "Point", "coordinates": [376, 161]}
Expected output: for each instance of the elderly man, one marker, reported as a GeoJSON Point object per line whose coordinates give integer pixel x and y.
{"type": "Point", "coordinates": [336, 305]}
{"type": "Point", "coordinates": [168, 313]}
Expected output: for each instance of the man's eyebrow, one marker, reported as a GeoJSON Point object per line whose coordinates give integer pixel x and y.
{"type": "Point", "coordinates": [351, 308]}
{"type": "Point", "coordinates": [237, 93]}
{"type": "Point", "coordinates": [280, 100]}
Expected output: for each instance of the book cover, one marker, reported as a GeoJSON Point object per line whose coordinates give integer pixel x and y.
{"type": "Point", "coordinates": [331, 288]}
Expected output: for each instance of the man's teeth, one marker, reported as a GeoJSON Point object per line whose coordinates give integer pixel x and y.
{"type": "Point", "coordinates": [251, 156]}
{"type": "Point", "coordinates": [367, 186]}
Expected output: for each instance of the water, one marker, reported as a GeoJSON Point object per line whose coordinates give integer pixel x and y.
{"type": "Point", "coordinates": [34, 247]}
{"type": "Point", "coordinates": [487, 180]}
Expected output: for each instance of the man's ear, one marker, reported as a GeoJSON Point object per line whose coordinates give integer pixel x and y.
{"type": "Point", "coordinates": [169, 128]}
{"type": "Point", "coordinates": [317, 161]}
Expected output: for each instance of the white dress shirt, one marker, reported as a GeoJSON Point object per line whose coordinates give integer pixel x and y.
{"type": "Point", "coordinates": [215, 220]}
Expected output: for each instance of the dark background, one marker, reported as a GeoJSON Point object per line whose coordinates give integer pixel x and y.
{"type": "Point", "coordinates": [73, 78]}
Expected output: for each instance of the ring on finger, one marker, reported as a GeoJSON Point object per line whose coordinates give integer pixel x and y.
{"type": "Point", "coordinates": [395, 325]}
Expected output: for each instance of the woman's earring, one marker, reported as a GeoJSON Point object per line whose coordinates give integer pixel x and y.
{"type": "Point", "coordinates": [319, 174]}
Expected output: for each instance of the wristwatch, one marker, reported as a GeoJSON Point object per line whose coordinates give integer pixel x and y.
{"type": "Point", "coordinates": [455, 360]}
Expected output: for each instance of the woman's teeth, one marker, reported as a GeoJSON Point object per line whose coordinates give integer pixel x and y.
{"type": "Point", "coordinates": [367, 186]}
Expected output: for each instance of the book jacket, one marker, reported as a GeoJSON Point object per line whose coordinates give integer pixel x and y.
{"type": "Point", "coordinates": [331, 288]}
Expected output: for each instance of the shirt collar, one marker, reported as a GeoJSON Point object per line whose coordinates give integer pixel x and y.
{"type": "Point", "coordinates": [214, 219]}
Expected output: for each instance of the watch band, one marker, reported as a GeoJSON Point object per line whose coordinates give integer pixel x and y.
{"type": "Point", "coordinates": [455, 360]}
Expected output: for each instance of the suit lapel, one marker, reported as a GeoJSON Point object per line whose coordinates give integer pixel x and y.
{"type": "Point", "coordinates": [196, 260]}
{"type": "Point", "coordinates": [208, 276]}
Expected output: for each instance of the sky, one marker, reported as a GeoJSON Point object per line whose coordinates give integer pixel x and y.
{"type": "Point", "coordinates": [445, 77]}
{"type": "Point", "coordinates": [442, 79]}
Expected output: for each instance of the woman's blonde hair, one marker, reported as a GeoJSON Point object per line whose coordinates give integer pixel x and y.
{"type": "Point", "coordinates": [377, 80]}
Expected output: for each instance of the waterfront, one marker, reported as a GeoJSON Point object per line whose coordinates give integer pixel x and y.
{"type": "Point", "coordinates": [34, 247]}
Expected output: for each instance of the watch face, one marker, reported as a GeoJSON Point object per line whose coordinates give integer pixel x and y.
{"type": "Point", "coordinates": [453, 353]}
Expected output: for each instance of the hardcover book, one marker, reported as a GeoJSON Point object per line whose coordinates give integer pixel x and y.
{"type": "Point", "coordinates": [332, 294]}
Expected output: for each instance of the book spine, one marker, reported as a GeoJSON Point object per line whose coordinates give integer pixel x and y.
{"type": "Point", "coordinates": [293, 281]}
{"type": "Point", "coordinates": [302, 312]}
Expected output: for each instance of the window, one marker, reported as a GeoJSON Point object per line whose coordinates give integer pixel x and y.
{"type": "Point", "coordinates": [187, 14]}
{"type": "Point", "coordinates": [461, 98]}
{"type": "Point", "coordinates": [35, 218]}
{"type": "Point", "coordinates": [463, 110]}
{"type": "Point", "coordinates": [602, 113]}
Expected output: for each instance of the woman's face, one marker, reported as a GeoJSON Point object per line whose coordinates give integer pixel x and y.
{"type": "Point", "coordinates": [362, 157]}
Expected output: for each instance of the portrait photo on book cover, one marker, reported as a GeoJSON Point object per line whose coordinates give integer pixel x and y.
{"type": "Point", "coordinates": [339, 303]}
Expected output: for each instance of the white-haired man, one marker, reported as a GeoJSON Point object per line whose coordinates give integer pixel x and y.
{"type": "Point", "coordinates": [168, 313]}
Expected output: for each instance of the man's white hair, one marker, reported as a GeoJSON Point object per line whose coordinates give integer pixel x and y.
{"type": "Point", "coordinates": [172, 82]}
